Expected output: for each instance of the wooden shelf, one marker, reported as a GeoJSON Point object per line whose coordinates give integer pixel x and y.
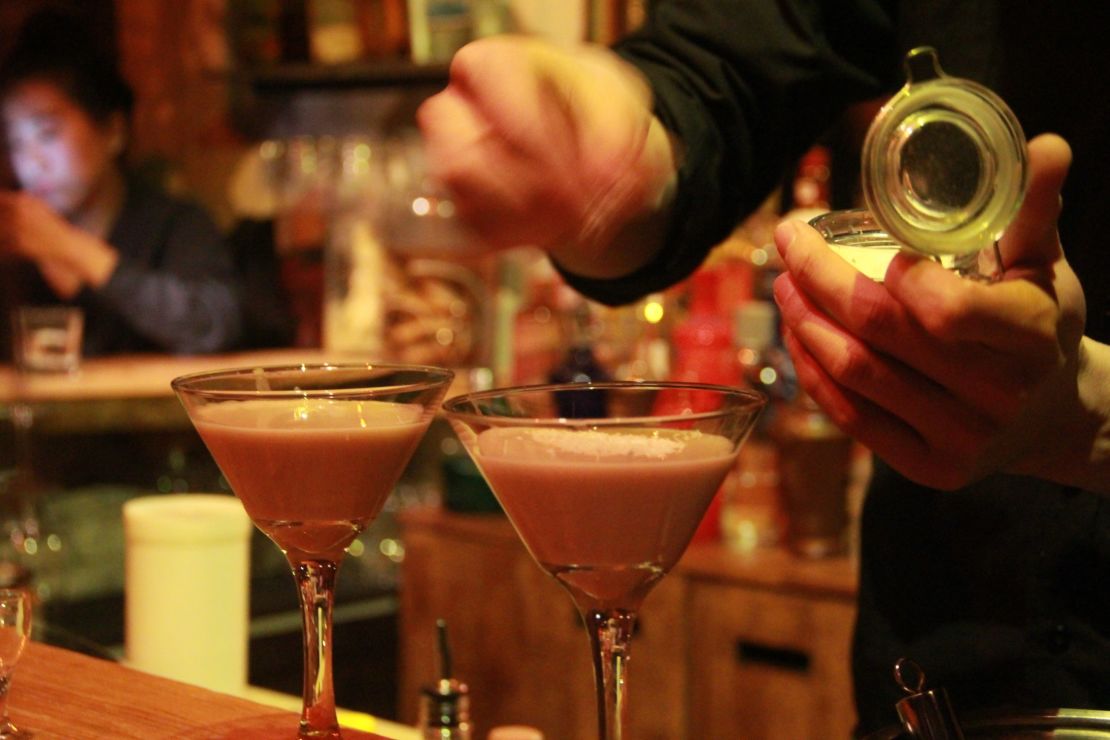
{"type": "Point", "coordinates": [391, 73]}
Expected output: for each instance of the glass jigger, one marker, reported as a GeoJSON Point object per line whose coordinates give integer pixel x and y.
{"type": "Point", "coordinates": [605, 491]}
{"type": "Point", "coordinates": [15, 630]}
{"type": "Point", "coordinates": [313, 452]}
{"type": "Point", "coordinates": [943, 171]}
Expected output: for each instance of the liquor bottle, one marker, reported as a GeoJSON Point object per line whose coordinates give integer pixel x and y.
{"type": "Point", "coordinates": [703, 353]}
{"type": "Point", "coordinates": [579, 364]}
{"type": "Point", "coordinates": [811, 181]}
{"type": "Point", "coordinates": [751, 512]}
{"type": "Point", "coordinates": [703, 340]}
{"type": "Point", "coordinates": [816, 470]}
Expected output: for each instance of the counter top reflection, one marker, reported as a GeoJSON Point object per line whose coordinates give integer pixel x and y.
{"type": "Point", "coordinates": [57, 693]}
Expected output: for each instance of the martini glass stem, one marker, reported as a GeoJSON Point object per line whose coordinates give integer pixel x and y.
{"type": "Point", "coordinates": [611, 637]}
{"type": "Point", "coordinates": [316, 584]}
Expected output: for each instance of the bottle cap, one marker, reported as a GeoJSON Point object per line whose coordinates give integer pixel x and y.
{"type": "Point", "coordinates": [944, 165]}
{"type": "Point", "coordinates": [446, 704]}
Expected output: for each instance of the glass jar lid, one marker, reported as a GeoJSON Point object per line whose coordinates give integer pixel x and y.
{"type": "Point", "coordinates": [944, 166]}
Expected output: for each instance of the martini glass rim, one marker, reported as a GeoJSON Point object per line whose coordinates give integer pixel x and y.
{"type": "Point", "coordinates": [194, 383]}
{"type": "Point", "coordinates": [753, 400]}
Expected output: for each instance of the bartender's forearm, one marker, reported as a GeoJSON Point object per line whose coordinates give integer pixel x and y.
{"type": "Point", "coordinates": [1077, 452]}
{"type": "Point", "coordinates": [626, 227]}
{"type": "Point", "coordinates": [1092, 469]}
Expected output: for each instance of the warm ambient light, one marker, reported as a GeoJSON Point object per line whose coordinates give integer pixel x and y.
{"type": "Point", "coordinates": [653, 312]}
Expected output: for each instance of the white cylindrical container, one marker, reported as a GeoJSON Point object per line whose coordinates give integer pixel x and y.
{"type": "Point", "coordinates": [187, 588]}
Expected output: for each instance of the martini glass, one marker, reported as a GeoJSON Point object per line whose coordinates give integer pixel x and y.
{"type": "Point", "coordinates": [605, 483]}
{"type": "Point", "coordinates": [313, 452]}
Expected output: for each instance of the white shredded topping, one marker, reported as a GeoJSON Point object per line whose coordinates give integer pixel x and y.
{"type": "Point", "coordinates": [608, 444]}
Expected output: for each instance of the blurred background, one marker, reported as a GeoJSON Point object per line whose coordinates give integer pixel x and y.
{"type": "Point", "coordinates": [291, 122]}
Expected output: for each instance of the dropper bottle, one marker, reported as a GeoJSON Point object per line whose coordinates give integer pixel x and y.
{"type": "Point", "coordinates": [445, 706]}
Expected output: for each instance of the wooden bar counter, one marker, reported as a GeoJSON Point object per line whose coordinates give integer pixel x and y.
{"type": "Point", "coordinates": [59, 694]}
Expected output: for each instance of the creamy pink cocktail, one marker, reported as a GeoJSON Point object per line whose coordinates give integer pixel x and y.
{"type": "Point", "coordinates": [311, 473]}
{"type": "Point", "coordinates": [605, 483]}
{"type": "Point", "coordinates": [608, 513]}
{"type": "Point", "coordinates": [313, 452]}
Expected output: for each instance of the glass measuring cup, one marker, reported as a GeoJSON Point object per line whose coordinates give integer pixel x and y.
{"type": "Point", "coordinates": [944, 172]}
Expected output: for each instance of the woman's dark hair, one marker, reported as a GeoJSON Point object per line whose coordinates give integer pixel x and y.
{"type": "Point", "coordinates": [59, 47]}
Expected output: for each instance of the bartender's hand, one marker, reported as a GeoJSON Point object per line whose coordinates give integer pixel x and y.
{"type": "Point", "coordinates": [67, 257]}
{"type": "Point", "coordinates": [554, 148]}
{"type": "Point", "coordinates": [948, 379]}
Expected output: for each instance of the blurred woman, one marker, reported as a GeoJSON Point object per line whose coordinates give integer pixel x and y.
{"type": "Point", "coordinates": [151, 272]}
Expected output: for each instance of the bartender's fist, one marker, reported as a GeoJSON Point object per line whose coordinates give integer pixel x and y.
{"type": "Point", "coordinates": [549, 147]}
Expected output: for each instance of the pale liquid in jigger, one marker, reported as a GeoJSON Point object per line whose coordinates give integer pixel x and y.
{"type": "Point", "coordinates": [607, 513]}
{"type": "Point", "coordinates": [872, 256]}
{"type": "Point", "coordinates": [311, 473]}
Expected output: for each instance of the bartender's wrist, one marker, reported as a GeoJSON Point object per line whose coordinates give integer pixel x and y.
{"type": "Point", "coordinates": [1093, 471]}
{"type": "Point", "coordinates": [1074, 448]}
{"type": "Point", "coordinates": [625, 226]}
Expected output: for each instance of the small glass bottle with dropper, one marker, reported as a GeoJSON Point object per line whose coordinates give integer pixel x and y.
{"type": "Point", "coordinates": [445, 705]}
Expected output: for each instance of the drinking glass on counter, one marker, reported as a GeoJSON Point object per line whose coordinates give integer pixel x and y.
{"type": "Point", "coordinates": [605, 490]}
{"type": "Point", "coordinates": [313, 452]}
{"type": "Point", "coordinates": [47, 338]}
{"type": "Point", "coordinates": [15, 630]}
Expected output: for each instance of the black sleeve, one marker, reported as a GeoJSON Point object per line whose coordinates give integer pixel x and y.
{"type": "Point", "coordinates": [178, 289]}
{"type": "Point", "coordinates": [746, 86]}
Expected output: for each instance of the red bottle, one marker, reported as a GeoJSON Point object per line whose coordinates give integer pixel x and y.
{"type": "Point", "coordinates": [703, 353]}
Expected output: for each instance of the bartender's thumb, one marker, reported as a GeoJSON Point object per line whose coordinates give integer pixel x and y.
{"type": "Point", "coordinates": [1031, 241]}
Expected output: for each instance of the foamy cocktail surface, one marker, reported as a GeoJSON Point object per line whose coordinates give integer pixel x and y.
{"type": "Point", "coordinates": [604, 498]}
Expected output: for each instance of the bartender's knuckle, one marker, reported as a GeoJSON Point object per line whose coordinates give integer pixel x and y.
{"type": "Point", "coordinates": [853, 368]}
{"type": "Point", "coordinates": [947, 316]}
{"type": "Point", "coordinates": [961, 464]}
{"type": "Point", "coordinates": [876, 322]}
{"type": "Point", "coordinates": [469, 57]}
{"type": "Point", "coordinates": [848, 419]}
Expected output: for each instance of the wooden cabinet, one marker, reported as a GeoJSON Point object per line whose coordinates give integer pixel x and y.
{"type": "Point", "coordinates": [768, 665]}
{"type": "Point", "coordinates": [726, 646]}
